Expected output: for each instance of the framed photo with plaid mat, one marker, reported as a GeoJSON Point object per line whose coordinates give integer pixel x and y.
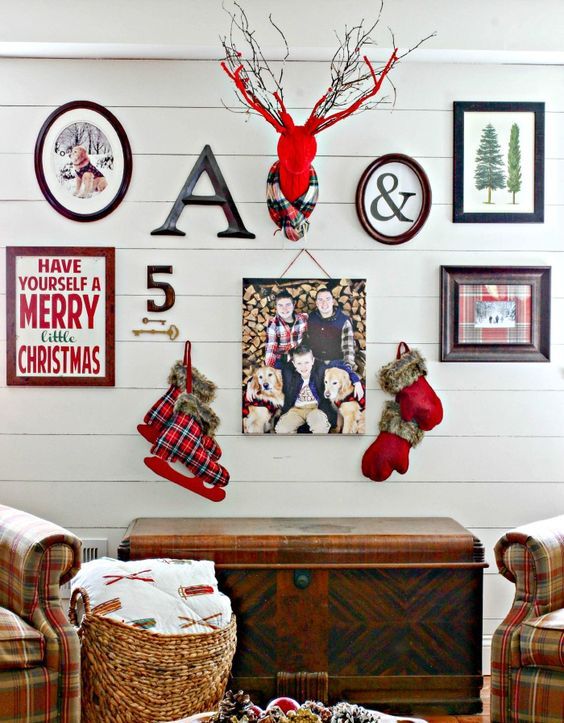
{"type": "Point", "coordinates": [495, 313]}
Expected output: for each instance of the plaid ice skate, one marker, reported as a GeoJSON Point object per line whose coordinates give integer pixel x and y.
{"type": "Point", "coordinates": [181, 441]}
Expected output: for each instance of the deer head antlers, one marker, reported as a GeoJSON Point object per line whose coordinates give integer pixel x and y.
{"type": "Point", "coordinates": [354, 80]}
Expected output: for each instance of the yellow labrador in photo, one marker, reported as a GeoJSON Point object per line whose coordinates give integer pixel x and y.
{"type": "Point", "coordinates": [339, 389]}
{"type": "Point", "coordinates": [263, 400]}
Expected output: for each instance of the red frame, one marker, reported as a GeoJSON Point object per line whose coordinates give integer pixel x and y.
{"type": "Point", "coordinates": [12, 252]}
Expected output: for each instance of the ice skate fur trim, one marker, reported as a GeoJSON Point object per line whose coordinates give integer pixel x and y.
{"type": "Point", "coordinates": [391, 422]}
{"type": "Point", "coordinates": [402, 372]}
{"type": "Point", "coordinates": [204, 415]}
{"type": "Point", "coordinates": [202, 387]}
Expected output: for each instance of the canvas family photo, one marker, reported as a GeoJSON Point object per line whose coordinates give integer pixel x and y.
{"type": "Point", "coordinates": [304, 356]}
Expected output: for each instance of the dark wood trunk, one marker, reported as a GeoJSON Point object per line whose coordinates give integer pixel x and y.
{"type": "Point", "coordinates": [384, 612]}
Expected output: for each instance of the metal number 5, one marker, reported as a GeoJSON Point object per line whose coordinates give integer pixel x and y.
{"type": "Point", "coordinates": [170, 296]}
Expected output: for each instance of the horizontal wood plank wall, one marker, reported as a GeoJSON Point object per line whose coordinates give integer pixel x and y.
{"type": "Point", "coordinates": [73, 455]}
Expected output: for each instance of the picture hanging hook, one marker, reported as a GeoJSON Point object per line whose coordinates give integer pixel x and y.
{"type": "Point", "coordinates": [297, 256]}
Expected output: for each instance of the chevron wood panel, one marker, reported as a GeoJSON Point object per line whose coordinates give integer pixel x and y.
{"type": "Point", "coordinates": [253, 596]}
{"type": "Point", "coordinates": [405, 622]}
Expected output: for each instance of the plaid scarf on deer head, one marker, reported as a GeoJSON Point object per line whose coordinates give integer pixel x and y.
{"type": "Point", "coordinates": [290, 216]}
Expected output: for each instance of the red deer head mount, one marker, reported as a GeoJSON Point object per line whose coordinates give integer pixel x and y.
{"type": "Point", "coordinates": [292, 184]}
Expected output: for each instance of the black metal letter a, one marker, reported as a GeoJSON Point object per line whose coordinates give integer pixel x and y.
{"type": "Point", "coordinates": [206, 162]}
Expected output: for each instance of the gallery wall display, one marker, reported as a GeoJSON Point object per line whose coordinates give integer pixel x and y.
{"type": "Point", "coordinates": [83, 161]}
{"type": "Point", "coordinates": [495, 314]}
{"type": "Point", "coordinates": [304, 356]}
{"type": "Point", "coordinates": [498, 162]}
{"type": "Point", "coordinates": [60, 316]}
{"type": "Point", "coordinates": [393, 198]}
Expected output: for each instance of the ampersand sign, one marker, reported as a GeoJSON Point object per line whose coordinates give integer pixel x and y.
{"type": "Point", "coordinates": [393, 198]}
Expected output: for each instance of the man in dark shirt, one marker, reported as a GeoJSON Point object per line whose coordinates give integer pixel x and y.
{"type": "Point", "coordinates": [330, 331]}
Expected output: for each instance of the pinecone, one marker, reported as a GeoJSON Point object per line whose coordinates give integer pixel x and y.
{"type": "Point", "coordinates": [273, 715]}
{"type": "Point", "coordinates": [319, 709]}
{"type": "Point", "coordinates": [235, 706]}
{"type": "Point", "coordinates": [303, 715]}
{"type": "Point", "coordinates": [348, 713]}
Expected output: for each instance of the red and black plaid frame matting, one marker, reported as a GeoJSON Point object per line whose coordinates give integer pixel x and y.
{"type": "Point", "coordinates": [525, 338]}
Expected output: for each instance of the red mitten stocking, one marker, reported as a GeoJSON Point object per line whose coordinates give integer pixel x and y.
{"type": "Point", "coordinates": [405, 377]}
{"type": "Point", "coordinates": [390, 451]}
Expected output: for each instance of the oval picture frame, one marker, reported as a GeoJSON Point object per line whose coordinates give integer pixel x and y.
{"type": "Point", "coordinates": [83, 161]}
{"type": "Point", "coordinates": [425, 207]}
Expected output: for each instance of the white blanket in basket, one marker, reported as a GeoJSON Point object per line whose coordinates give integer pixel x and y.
{"type": "Point", "coordinates": [163, 596]}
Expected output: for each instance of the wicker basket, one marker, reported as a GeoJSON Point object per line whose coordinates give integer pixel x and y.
{"type": "Point", "coordinates": [131, 675]}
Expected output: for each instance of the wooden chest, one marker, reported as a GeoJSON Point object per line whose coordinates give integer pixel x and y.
{"type": "Point", "coordinates": [384, 612]}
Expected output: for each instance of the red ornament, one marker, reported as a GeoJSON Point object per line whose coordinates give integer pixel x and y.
{"type": "Point", "coordinates": [285, 704]}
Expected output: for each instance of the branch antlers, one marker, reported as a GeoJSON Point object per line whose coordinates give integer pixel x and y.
{"type": "Point", "coordinates": [354, 80]}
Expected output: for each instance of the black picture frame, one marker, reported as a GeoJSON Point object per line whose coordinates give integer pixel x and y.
{"type": "Point", "coordinates": [426, 198]}
{"type": "Point", "coordinates": [537, 349]}
{"type": "Point", "coordinates": [56, 175]}
{"type": "Point", "coordinates": [462, 206]}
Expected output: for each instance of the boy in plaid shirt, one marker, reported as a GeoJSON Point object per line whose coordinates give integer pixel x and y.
{"type": "Point", "coordinates": [284, 332]}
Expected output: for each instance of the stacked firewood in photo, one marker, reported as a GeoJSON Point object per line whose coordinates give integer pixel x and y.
{"type": "Point", "coordinates": [259, 308]}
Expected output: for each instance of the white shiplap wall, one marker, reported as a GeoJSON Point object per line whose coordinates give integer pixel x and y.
{"type": "Point", "coordinates": [72, 455]}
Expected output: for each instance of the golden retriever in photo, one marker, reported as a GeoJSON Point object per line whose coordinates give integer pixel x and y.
{"type": "Point", "coordinates": [88, 177]}
{"type": "Point", "coordinates": [263, 409]}
{"type": "Point", "coordinates": [339, 390]}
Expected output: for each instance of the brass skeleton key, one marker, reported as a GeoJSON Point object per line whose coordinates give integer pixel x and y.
{"type": "Point", "coordinates": [172, 332]}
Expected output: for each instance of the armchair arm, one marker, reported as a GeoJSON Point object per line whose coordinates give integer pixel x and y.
{"type": "Point", "coordinates": [532, 556]}
{"type": "Point", "coordinates": [36, 557]}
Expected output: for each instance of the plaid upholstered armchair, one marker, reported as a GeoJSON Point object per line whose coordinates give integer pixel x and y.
{"type": "Point", "coordinates": [528, 647]}
{"type": "Point", "coordinates": [39, 649]}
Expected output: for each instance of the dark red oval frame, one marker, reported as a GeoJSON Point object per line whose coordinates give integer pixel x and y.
{"type": "Point", "coordinates": [127, 160]}
{"type": "Point", "coordinates": [425, 203]}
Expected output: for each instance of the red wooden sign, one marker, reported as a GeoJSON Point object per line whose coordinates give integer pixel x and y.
{"type": "Point", "coordinates": [60, 316]}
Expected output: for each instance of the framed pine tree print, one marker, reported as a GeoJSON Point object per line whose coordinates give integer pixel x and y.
{"type": "Point", "coordinates": [498, 162]}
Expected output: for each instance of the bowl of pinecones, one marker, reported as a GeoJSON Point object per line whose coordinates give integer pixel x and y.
{"type": "Point", "coordinates": [239, 708]}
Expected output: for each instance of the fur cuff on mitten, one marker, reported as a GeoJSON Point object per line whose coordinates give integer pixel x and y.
{"type": "Point", "coordinates": [202, 387]}
{"type": "Point", "coordinates": [402, 372]}
{"type": "Point", "coordinates": [204, 415]}
{"type": "Point", "coordinates": [392, 422]}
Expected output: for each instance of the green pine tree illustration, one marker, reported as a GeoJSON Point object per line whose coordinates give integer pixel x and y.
{"type": "Point", "coordinates": [489, 163]}
{"type": "Point", "coordinates": [514, 162]}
